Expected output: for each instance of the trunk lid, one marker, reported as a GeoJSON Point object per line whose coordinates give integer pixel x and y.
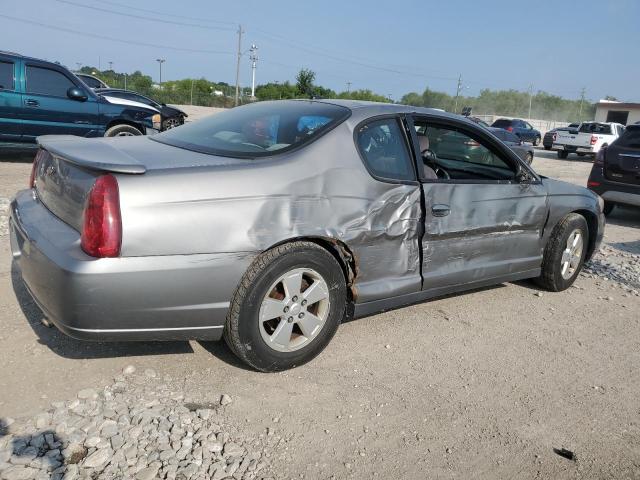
{"type": "Point", "coordinates": [68, 167]}
{"type": "Point", "coordinates": [622, 159]}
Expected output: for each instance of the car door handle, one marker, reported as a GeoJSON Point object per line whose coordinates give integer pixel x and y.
{"type": "Point", "coordinates": [30, 102]}
{"type": "Point", "coordinates": [440, 210]}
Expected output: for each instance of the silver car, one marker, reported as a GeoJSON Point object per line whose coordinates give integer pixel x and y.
{"type": "Point", "coordinates": [269, 223]}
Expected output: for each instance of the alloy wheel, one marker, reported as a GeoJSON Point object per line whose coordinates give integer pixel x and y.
{"type": "Point", "coordinates": [572, 254]}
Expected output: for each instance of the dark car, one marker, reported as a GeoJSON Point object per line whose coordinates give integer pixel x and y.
{"type": "Point", "coordinates": [522, 129]}
{"type": "Point", "coordinates": [525, 152]}
{"type": "Point", "coordinates": [479, 121]}
{"type": "Point", "coordinates": [41, 98]}
{"type": "Point", "coordinates": [550, 136]}
{"type": "Point", "coordinates": [171, 116]}
{"type": "Point", "coordinates": [615, 174]}
{"type": "Point", "coordinates": [91, 81]}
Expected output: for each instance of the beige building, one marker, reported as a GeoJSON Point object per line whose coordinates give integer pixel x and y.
{"type": "Point", "coordinates": [619, 112]}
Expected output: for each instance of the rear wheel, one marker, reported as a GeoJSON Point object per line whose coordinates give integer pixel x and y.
{"type": "Point", "coordinates": [287, 307]}
{"type": "Point", "coordinates": [608, 208]}
{"type": "Point", "coordinates": [564, 253]}
{"type": "Point", "coordinates": [547, 148]}
{"type": "Point", "coordinates": [529, 158]}
{"type": "Point", "coordinates": [563, 154]}
{"type": "Point", "coordinates": [122, 130]}
{"type": "Point", "coordinates": [536, 141]}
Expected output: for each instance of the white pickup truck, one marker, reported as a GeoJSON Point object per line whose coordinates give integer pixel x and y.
{"type": "Point", "coordinates": [588, 140]}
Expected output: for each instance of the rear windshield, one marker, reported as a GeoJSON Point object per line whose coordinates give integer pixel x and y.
{"type": "Point", "coordinates": [630, 138]}
{"type": "Point", "coordinates": [501, 123]}
{"type": "Point", "coordinates": [595, 128]}
{"type": "Point", "coordinates": [257, 130]}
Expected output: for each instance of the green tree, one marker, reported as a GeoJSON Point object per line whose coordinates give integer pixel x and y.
{"type": "Point", "coordinates": [304, 82]}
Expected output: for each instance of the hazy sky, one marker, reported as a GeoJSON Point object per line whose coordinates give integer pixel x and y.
{"type": "Point", "coordinates": [389, 47]}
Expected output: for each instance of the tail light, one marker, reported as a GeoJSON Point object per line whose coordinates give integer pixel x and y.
{"type": "Point", "coordinates": [102, 228]}
{"type": "Point", "coordinates": [591, 183]}
{"type": "Point", "coordinates": [509, 129]}
{"type": "Point", "coordinates": [600, 156]}
{"type": "Point", "coordinates": [594, 139]}
{"type": "Point", "coordinates": [34, 169]}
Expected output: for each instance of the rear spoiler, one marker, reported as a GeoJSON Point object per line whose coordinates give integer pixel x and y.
{"type": "Point", "coordinates": [92, 153]}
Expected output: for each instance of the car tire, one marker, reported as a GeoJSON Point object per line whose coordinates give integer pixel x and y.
{"type": "Point", "coordinates": [536, 141]}
{"type": "Point", "coordinates": [122, 130]}
{"type": "Point", "coordinates": [529, 158]}
{"type": "Point", "coordinates": [296, 336]}
{"type": "Point", "coordinates": [563, 154]}
{"type": "Point", "coordinates": [608, 208]}
{"type": "Point", "coordinates": [581, 154]}
{"type": "Point", "coordinates": [547, 148]}
{"type": "Point", "coordinates": [564, 253]}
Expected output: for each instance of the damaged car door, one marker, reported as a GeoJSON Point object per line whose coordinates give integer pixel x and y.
{"type": "Point", "coordinates": [484, 209]}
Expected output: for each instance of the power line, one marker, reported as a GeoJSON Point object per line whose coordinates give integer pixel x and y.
{"type": "Point", "coordinates": [112, 39]}
{"type": "Point", "coordinates": [140, 17]}
{"type": "Point", "coordinates": [129, 7]}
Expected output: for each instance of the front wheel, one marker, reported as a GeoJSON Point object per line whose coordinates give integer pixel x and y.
{"type": "Point", "coordinates": [529, 158]}
{"type": "Point", "coordinates": [536, 141]}
{"type": "Point", "coordinates": [564, 253]}
{"type": "Point", "coordinates": [563, 154]}
{"type": "Point", "coordinates": [122, 130]}
{"type": "Point", "coordinates": [287, 307]}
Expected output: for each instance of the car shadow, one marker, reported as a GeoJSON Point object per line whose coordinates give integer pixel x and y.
{"type": "Point", "coordinates": [22, 155]}
{"type": "Point", "coordinates": [69, 347]}
{"type": "Point", "coordinates": [624, 216]}
{"type": "Point", "coordinates": [222, 352]}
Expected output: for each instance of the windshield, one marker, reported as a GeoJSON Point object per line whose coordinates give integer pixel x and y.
{"type": "Point", "coordinates": [257, 130]}
{"type": "Point", "coordinates": [602, 128]}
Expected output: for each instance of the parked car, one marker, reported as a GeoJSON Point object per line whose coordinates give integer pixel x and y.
{"type": "Point", "coordinates": [270, 222]}
{"type": "Point", "coordinates": [40, 98]}
{"type": "Point", "coordinates": [91, 81]}
{"type": "Point", "coordinates": [588, 140]}
{"type": "Point", "coordinates": [615, 174]}
{"type": "Point", "coordinates": [525, 152]}
{"type": "Point", "coordinates": [550, 136]}
{"type": "Point", "coordinates": [522, 129]}
{"type": "Point", "coordinates": [171, 116]}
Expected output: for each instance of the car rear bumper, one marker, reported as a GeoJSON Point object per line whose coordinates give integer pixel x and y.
{"type": "Point", "coordinates": [572, 148]}
{"type": "Point", "coordinates": [611, 191]}
{"type": "Point", "coordinates": [172, 297]}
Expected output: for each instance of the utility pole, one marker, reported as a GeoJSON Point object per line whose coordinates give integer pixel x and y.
{"type": "Point", "coordinates": [253, 56]}
{"type": "Point", "coordinates": [348, 87]}
{"type": "Point", "coordinates": [160, 62]}
{"type": "Point", "coordinates": [455, 109]}
{"type": "Point", "coordinates": [530, 95]}
{"type": "Point", "coordinates": [125, 81]}
{"type": "Point", "coordinates": [110, 66]}
{"type": "Point", "coordinates": [238, 64]}
{"type": "Point", "coordinates": [582, 92]}
{"type": "Point", "coordinates": [192, 91]}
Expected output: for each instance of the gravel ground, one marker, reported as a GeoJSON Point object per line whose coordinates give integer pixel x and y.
{"type": "Point", "coordinates": [484, 384]}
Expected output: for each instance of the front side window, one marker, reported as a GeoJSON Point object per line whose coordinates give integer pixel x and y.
{"type": "Point", "coordinates": [384, 150]}
{"type": "Point", "coordinates": [6, 76]}
{"type": "Point", "coordinates": [44, 81]}
{"type": "Point", "coordinates": [455, 154]}
{"type": "Point", "coordinates": [257, 130]}
{"type": "Point", "coordinates": [92, 82]}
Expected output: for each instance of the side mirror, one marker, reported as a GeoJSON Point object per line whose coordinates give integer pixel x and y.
{"type": "Point", "coordinates": [523, 175]}
{"type": "Point", "coordinates": [75, 93]}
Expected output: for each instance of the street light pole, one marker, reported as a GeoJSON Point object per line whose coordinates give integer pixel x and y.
{"type": "Point", "coordinates": [530, 97]}
{"type": "Point", "coordinates": [254, 58]}
{"type": "Point", "coordinates": [160, 62]}
{"type": "Point", "coordinates": [455, 109]}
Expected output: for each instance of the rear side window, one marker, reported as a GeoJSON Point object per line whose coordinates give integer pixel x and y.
{"type": "Point", "coordinates": [257, 130]}
{"type": "Point", "coordinates": [47, 82]}
{"type": "Point", "coordinates": [384, 149]}
{"type": "Point", "coordinates": [6, 76]}
{"type": "Point", "coordinates": [630, 138]}
{"type": "Point", "coordinates": [501, 123]}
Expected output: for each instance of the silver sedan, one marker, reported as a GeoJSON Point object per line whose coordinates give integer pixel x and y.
{"type": "Point", "coordinates": [269, 224]}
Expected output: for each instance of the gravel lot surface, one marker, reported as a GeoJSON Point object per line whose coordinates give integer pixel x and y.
{"type": "Point", "coordinates": [479, 385]}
